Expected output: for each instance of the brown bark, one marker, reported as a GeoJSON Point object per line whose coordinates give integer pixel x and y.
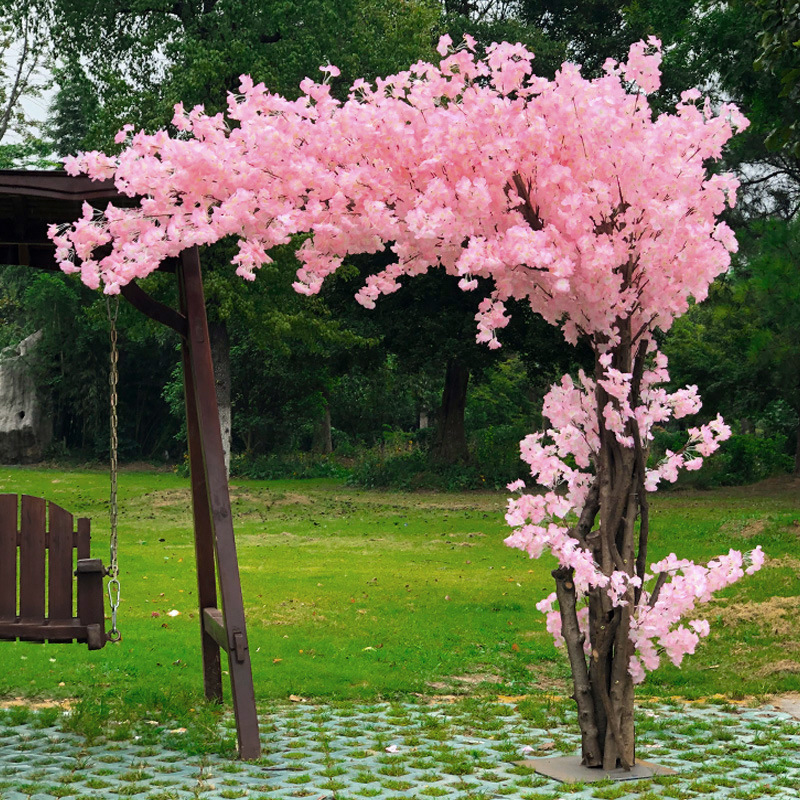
{"type": "Point", "coordinates": [617, 499]}
{"type": "Point", "coordinates": [221, 355]}
{"type": "Point", "coordinates": [450, 444]}
{"type": "Point", "coordinates": [797, 453]}
{"type": "Point", "coordinates": [323, 438]}
{"type": "Point", "coordinates": [591, 749]}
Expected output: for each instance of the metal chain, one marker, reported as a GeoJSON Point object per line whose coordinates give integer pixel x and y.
{"type": "Point", "coordinates": [113, 587]}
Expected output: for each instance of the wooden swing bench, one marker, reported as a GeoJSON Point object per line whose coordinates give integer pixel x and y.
{"type": "Point", "coordinates": [40, 552]}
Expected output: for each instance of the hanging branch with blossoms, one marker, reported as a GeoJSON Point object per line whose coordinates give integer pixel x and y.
{"type": "Point", "coordinates": [567, 194]}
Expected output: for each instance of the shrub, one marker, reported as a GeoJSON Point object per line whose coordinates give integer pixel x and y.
{"type": "Point", "coordinates": [287, 465]}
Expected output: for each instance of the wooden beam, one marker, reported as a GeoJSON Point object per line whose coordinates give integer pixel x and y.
{"type": "Point", "coordinates": [142, 301]}
{"type": "Point", "coordinates": [56, 184]}
{"type": "Point", "coordinates": [214, 626]}
{"type": "Point", "coordinates": [218, 504]}
{"type": "Point", "coordinates": [203, 532]}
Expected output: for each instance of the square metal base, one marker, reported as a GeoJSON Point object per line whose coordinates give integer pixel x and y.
{"type": "Point", "coordinates": [568, 769]}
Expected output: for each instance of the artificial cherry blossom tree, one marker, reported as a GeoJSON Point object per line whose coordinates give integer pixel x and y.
{"type": "Point", "coordinates": [566, 194]}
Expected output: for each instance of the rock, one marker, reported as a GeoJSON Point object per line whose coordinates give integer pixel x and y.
{"type": "Point", "coordinates": [25, 428]}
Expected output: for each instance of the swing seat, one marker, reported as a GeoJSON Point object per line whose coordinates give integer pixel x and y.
{"type": "Point", "coordinates": [40, 552]}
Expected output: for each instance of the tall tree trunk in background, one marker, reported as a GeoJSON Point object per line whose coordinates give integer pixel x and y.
{"type": "Point", "coordinates": [323, 439]}
{"type": "Point", "coordinates": [221, 355]}
{"type": "Point", "coordinates": [450, 445]}
{"type": "Point", "coordinates": [797, 453]}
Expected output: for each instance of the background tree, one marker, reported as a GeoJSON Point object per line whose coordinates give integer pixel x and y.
{"type": "Point", "coordinates": [129, 64]}
{"type": "Point", "coordinates": [780, 56]}
{"type": "Point", "coordinates": [25, 58]}
{"type": "Point", "coordinates": [743, 344]}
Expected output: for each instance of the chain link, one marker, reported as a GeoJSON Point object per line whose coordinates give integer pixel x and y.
{"type": "Point", "coordinates": [112, 307]}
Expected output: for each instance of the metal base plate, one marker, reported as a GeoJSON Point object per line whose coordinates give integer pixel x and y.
{"type": "Point", "coordinates": [568, 769]}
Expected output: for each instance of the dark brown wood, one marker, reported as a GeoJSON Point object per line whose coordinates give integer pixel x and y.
{"type": "Point", "coordinates": [203, 536]}
{"type": "Point", "coordinates": [46, 543]}
{"type": "Point", "coordinates": [32, 560]}
{"type": "Point", "coordinates": [55, 184]}
{"type": "Point", "coordinates": [89, 574]}
{"type": "Point", "coordinates": [59, 567]}
{"type": "Point", "coordinates": [142, 301]}
{"type": "Point", "coordinates": [591, 751]}
{"type": "Point", "coordinates": [83, 538]}
{"type": "Point", "coordinates": [29, 201]}
{"type": "Point", "coordinates": [8, 556]}
{"type": "Point", "coordinates": [214, 626]}
{"type": "Point", "coordinates": [450, 444]}
{"type": "Point", "coordinates": [64, 631]}
{"type": "Point", "coordinates": [218, 501]}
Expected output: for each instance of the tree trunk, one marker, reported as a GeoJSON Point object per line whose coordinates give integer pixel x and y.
{"type": "Point", "coordinates": [450, 444]}
{"type": "Point", "coordinates": [221, 356]}
{"type": "Point", "coordinates": [605, 696]}
{"type": "Point", "coordinates": [797, 452]}
{"type": "Point", "coordinates": [323, 440]}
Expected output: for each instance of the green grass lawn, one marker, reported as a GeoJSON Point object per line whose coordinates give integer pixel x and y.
{"type": "Point", "coordinates": [365, 595]}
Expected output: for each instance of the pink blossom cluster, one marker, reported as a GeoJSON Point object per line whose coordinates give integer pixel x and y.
{"type": "Point", "coordinates": [656, 627]}
{"type": "Point", "coordinates": [475, 165]}
{"type": "Point", "coordinates": [540, 520]}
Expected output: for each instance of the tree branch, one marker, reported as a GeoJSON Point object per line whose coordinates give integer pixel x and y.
{"type": "Point", "coordinates": [526, 208]}
{"type": "Point", "coordinates": [570, 630]}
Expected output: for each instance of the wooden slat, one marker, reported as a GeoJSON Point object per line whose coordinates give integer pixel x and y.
{"type": "Point", "coordinates": [84, 538]}
{"type": "Point", "coordinates": [214, 626]}
{"type": "Point", "coordinates": [90, 598]}
{"type": "Point", "coordinates": [31, 560]}
{"type": "Point", "coordinates": [56, 184]}
{"type": "Point", "coordinates": [36, 631]}
{"type": "Point", "coordinates": [8, 556]}
{"type": "Point", "coordinates": [60, 566]}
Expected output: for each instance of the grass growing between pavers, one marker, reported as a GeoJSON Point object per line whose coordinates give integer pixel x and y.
{"type": "Point", "coordinates": [464, 750]}
{"type": "Point", "coordinates": [354, 594]}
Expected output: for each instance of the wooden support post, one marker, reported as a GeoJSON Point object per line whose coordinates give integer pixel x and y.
{"type": "Point", "coordinates": [212, 506]}
{"type": "Point", "coordinates": [203, 534]}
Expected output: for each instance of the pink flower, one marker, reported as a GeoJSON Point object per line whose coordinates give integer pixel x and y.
{"type": "Point", "coordinates": [756, 560]}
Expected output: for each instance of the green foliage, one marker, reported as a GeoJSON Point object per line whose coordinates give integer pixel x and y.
{"type": "Point", "coordinates": [31, 153]}
{"type": "Point", "coordinates": [747, 459]}
{"type": "Point", "coordinates": [141, 58]}
{"type": "Point", "coordinates": [495, 453]}
{"type": "Point", "coordinates": [742, 346]}
{"type": "Point", "coordinates": [277, 466]}
{"type": "Point", "coordinates": [74, 111]}
{"type": "Point", "coordinates": [714, 45]}
{"type": "Point", "coordinates": [779, 39]}
{"type": "Point", "coordinates": [741, 460]}
{"type": "Point", "coordinates": [408, 465]}
{"type": "Point", "coordinates": [70, 364]}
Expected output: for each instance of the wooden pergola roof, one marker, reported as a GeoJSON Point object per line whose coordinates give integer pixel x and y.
{"type": "Point", "coordinates": [30, 200]}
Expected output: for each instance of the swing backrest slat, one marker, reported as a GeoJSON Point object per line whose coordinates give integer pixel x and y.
{"type": "Point", "coordinates": [60, 564]}
{"type": "Point", "coordinates": [8, 556]}
{"type": "Point", "coordinates": [32, 559]}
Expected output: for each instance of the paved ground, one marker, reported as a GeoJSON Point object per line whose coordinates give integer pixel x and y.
{"type": "Point", "coordinates": [453, 751]}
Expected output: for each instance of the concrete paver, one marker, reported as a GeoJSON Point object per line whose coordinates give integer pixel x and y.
{"type": "Point", "coordinates": [405, 750]}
